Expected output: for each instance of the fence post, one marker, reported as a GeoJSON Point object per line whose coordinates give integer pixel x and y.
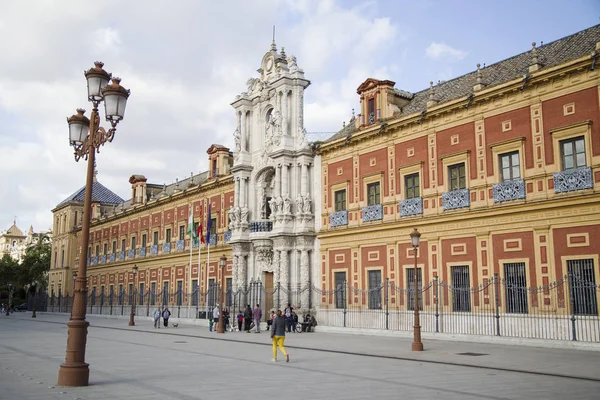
{"type": "Point", "coordinates": [197, 301]}
{"type": "Point", "coordinates": [387, 310]}
{"type": "Point", "coordinates": [122, 301]}
{"type": "Point", "coordinates": [569, 279]}
{"type": "Point", "coordinates": [178, 303]}
{"type": "Point", "coordinates": [278, 290]}
{"type": "Point", "coordinates": [497, 294]}
{"type": "Point", "coordinates": [344, 293]}
{"type": "Point", "coordinates": [437, 300]}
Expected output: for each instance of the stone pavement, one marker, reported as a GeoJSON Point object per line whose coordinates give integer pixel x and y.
{"type": "Point", "coordinates": [189, 362]}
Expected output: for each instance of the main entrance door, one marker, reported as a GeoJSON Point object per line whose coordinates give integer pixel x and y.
{"type": "Point", "coordinates": [268, 295]}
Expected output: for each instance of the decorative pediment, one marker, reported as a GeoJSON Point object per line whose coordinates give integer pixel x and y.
{"type": "Point", "coordinates": [372, 83]}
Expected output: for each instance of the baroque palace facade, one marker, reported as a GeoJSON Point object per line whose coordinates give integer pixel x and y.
{"type": "Point", "coordinates": [499, 170]}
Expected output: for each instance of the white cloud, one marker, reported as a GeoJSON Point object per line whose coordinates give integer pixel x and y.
{"type": "Point", "coordinates": [107, 39]}
{"type": "Point", "coordinates": [441, 51]}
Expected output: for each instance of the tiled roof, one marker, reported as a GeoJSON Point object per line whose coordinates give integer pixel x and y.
{"type": "Point", "coordinates": [14, 231]}
{"type": "Point", "coordinates": [100, 194]}
{"type": "Point", "coordinates": [549, 55]}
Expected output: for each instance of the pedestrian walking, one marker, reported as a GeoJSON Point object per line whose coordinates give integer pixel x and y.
{"type": "Point", "coordinates": [247, 318]}
{"type": "Point", "coordinates": [240, 320]}
{"type": "Point", "coordinates": [270, 320]}
{"type": "Point", "coordinates": [166, 314]}
{"type": "Point", "coordinates": [157, 318]}
{"type": "Point", "coordinates": [288, 317]}
{"type": "Point", "coordinates": [257, 315]}
{"type": "Point", "coordinates": [278, 336]}
{"type": "Point", "coordinates": [216, 315]}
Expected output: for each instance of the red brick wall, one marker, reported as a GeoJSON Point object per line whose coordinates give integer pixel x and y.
{"type": "Point", "coordinates": [333, 178]}
{"type": "Point", "coordinates": [365, 169]}
{"type": "Point", "coordinates": [466, 141]}
{"type": "Point", "coordinates": [520, 127]}
{"type": "Point", "coordinates": [401, 158]}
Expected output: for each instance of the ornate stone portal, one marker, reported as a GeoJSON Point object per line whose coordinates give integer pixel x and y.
{"type": "Point", "coordinates": [273, 217]}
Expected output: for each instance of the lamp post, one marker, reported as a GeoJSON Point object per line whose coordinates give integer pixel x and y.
{"type": "Point", "coordinates": [9, 299]}
{"type": "Point", "coordinates": [86, 136]}
{"type": "Point", "coordinates": [35, 285]}
{"type": "Point", "coordinates": [220, 326]}
{"type": "Point", "coordinates": [73, 302]}
{"type": "Point", "coordinates": [417, 345]}
{"type": "Point", "coordinates": [132, 314]}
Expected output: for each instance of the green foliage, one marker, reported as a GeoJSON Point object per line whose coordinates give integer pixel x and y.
{"type": "Point", "coordinates": [36, 264]}
{"type": "Point", "coordinates": [8, 271]}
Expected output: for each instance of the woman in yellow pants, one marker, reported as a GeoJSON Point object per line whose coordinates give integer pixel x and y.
{"type": "Point", "coordinates": [278, 336]}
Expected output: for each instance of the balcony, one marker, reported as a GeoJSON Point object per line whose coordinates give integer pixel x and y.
{"type": "Point", "coordinates": [112, 257]}
{"type": "Point", "coordinates": [131, 253]}
{"type": "Point", "coordinates": [573, 179]}
{"type": "Point", "coordinates": [227, 236]}
{"type": "Point", "coordinates": [410, 207]}
{"type": "Point", "coordinates": [180, 244]}
{"type": "Point", "coordinates": [154, 249]}
{"type": "Point", "coordinates": [460, 198]}
{"type": "Point", "coordinates": [142, 251]}
{"type": "Point", "coordinates": [166, 247]}
{"type": "Point", "coordinates": [94, 260]}
{"type": "Point", "coordinates": [212, 239]}
{"type": "Point", "coordinates": [121, 255]}
{"type": "Point", "coordinates": [509, 190]}
{"type": "Point", "coordinates": [261, 226]}
{"type": "Point", "coordinates": [196, 243]}
{"type": "Point", "coordinates": [102, 259]}
{"type": "Point", "coordinates": [372, 213]}
{"type": "Point", "coordinates": [338, 218]}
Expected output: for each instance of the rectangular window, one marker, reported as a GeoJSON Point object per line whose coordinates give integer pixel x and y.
{"type": "Point", "coordinates": [155, 238]}
{"type": "Point", "coordinates": [212, 290]}
{"type": "Point", "coordinates": [141, 295]}
{"type": "Point", "coordinates": [94, 296]}
{"type": "Point", "coordinates": [456, 177]}
{"type": "Point", "coordinates": [101, 294]}
{"type": "Point", "coordinates": [168, 236]}
{"type": "Point", "coordinates": [373, 191]}
{"type": "Point", "coordinates": [410, 276]}
{"type": "Point", "coordinates": [340, 200]}
{"type": "Point", "coordinates": [374, 290]}
{"type": "Point", "coordinates": [75, 220]}
{"type": "Point", "coordinates": [515, 284]}
{"type": "Point", "coordinates": [179, 292]}
{"type": "Point", "coordinates": [123, 244]}
{"type": "Point", "coordinates": [120, 293]}
{"type": "Point", "coordinates": [165, 293]}
{"type": "Point", "coordinates": [228, 292]}
{"type": "Point", "coordinates": [133, 242]}
{"type": "Point", "coordinates": [510, 166]}
{"type": "Point", "coordinates": [573, 153]}
{"type": "Point", "coordinates": [461, 289]}
{"type": "Point", "coordinates": [371, 110]}
{"type": "Point", "coordinates": [196, 228]}
{"type": "Point", "coordinates": [144, 242]}
{"type": "Point", "coordinates": [130, 293]}
{"type": "Point", "coordinates": [89, 254]}
{"type": "Point", "coordinates": [411, 186]}
{"type": "Point", "coordinates": [582, 287]}
{"type": "Point", "coordinates": [105, 248]}
{"type": "Point", "coordinates": [340, 290]}
{"type": "Point", "coordinates": [114, 246]}
{"type": "Point", "coordinates": [55, 258]}
{"type": "Point", "coordinates": [213, 226]}
{"type": "Point", "coordinates": [181, 232]}
{"type": "Point", "coordinates": [153, 293]}
{"type": "Point", "coordinates": [194, 292]}
{"type": "Point", "coordinates": [97, 253]}
{"type": "Point", "coordinates": [62, 259]}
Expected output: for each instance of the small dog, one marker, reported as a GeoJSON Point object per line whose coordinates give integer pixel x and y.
{"type": "Point", "coordinates": [175, 325]}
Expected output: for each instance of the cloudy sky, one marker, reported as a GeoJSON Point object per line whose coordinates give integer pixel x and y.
{"type": "Point", "coordinates": [185, 61]}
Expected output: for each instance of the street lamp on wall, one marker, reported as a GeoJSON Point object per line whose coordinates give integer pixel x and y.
{"type": "Point", "coordinates": [86, 136]}
{"type": "Point", "coordinates": [220, 326]}
{"type": "Point", "coordinates": [132, 314]}
{"type": "Point", "coordinates": [417, 345]}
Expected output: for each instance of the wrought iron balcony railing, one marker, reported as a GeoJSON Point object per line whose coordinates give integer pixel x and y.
{"type": "Point", "coordinates": [227, 236]}
{"type": "Point", "coordinates": [112, 257]}
{"type": "Point", "coordinates": [131, 253]}
{"type": "Point", "coordinates": [261, 226]}
{"type": "Point", "coordinates": [142, 252]}
{"type": "Point", "coordinates": [509, 190]}
{"type": "Point", "coordinates": [154, 249]}
{"type": "Point", "coordinates": [180, 244]}
{"type": "Point", "coordinates": [372, 213]}
{"type": "Point", "coordinates": [338, 218]}
{"type": "Point", "coordinates": [459, 198]}
{"type": "Point", "coordinates": [410, 207]}
{"type": "Point", "coordinates": [102, 259]}
{"type": "Point", "coordinates": [121, 255]}
{"type": "Point", "coordinates": [94, 260]}
{"type": "Point", "coordinates": [166, 247]}
{"type": "Point", "coordinates": [573, 179]}
{"type": "Point", "coordinates": [213, 239]}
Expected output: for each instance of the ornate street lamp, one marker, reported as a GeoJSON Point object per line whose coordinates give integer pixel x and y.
{"type": "Point", "coordinates": [220, 326]}
{"type": "Point", "coordinates": [86, 136]}
{"type": "Point", "coordinates": [132, 314]}
{"type": "Point", "coordinates": [417, 345]}
{"type": "Point", "coordinates": [73, 302]}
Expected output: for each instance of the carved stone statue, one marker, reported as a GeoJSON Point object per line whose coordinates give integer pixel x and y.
{"type": "Point", "coordinates": [238, 139]}
{"type": "Point", "coordinates": [279, 204]}
{"type": "Point", "coordinates": [273, 206]}
{"type": "Point", "coordinates": [237, 215]}
{"type": "Point", "coordinates": [287, 206]}
{"type": "Point", "coordinates": [231, 217]}
{"type": "Point", "coordinates": [244, 215]}
{"type": "Point", "coordinates": [299, 203]}
{"type": "Point", "coordinates": [307, 202]}
{"type": "Point", "coordinates": [292, 66]}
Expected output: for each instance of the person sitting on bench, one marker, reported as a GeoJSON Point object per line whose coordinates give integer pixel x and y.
{"type": "Point", "coordinates": [308, 323]}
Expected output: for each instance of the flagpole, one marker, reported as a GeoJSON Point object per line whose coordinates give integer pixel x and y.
{"type": "Point", "coordinates": [190, 288]}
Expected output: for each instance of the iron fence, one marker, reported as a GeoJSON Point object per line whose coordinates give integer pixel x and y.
{"type": "Point", "coordinates": [566, 309]}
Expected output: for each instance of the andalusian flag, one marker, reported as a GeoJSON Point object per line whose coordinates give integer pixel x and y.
{"type": "Point", "coordinates": [191, 230]}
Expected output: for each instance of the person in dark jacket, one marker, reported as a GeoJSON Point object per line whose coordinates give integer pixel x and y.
{"type": "Point", "coordinates": [247, 318]}
{"type": "Point", "coordinates": [278, 336]}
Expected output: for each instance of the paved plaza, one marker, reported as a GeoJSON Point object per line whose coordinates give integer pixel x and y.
{"type": "Point", "coordinates": [189, 362]}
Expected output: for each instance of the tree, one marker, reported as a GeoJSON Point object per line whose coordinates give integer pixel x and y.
{"type": "Point", "coordinates": [9, 271]}
{"type": "Point", "coordinates": [36, 264]}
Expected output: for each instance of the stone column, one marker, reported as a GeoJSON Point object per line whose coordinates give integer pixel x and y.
{"type": "Point", "coordinates": [305, 279]}
{"type": "Point", "coordinates": [277, 181]}
{"type": "Point", "coordinates": [276, 280]}
{"type": "Point", "coordinates": [300, 105]}
{"type": "Point", "coordinates": [284, 276]}
{"type": "Point", "coordinates": [243, 275]}
{"type": "Point", "coordinates": [243, 131]}
{"type": "Point", "coordinates": [236, 196]}
{"type": "Point", "coordinates": [304, 179]}
{"type": "Point", "coordinates": [235, 272]}
{"type": "Point", "coordinates": [285, 180]}
{"type": "Point", "coordinates": [286, 112]}
{"type": "Point", "coordinates": [243, 192]}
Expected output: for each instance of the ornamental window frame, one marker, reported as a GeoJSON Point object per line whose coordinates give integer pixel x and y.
{"type": "Point", "coordinates": [452, 160]}
{"type": "Point", "coordinates": [338, 187]}
{"type": "Point", "coordinates": [370, 181]}
{"type": "Point", "coordinates": [569, 132]}
{"type": "Point", "coordinates": [504, 148]}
